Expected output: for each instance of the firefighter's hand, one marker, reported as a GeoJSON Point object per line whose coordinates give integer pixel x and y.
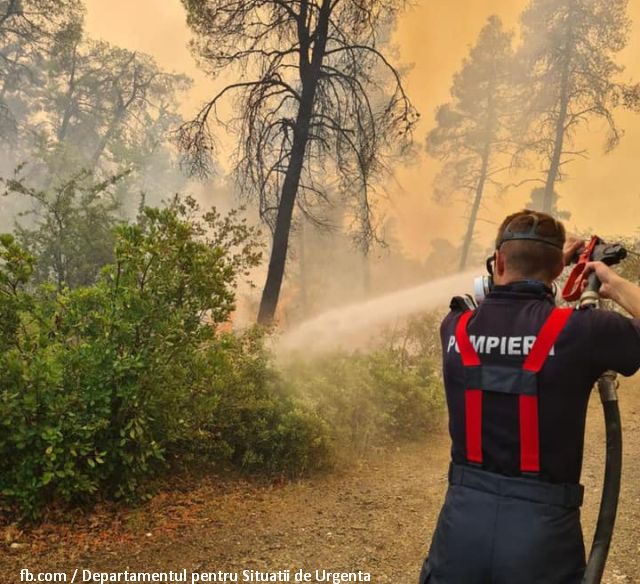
{"type": "Point", "coordinates": [572, 246]}
{"type": "Point", "coordinates": [611, 281]}
{"type": "Point", "coordinates": [615, 287]}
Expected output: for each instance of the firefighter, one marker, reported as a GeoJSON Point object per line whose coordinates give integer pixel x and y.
{"type": "Point", "coordinates": [518, 372]}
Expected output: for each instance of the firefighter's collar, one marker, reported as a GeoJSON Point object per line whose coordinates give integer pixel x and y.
{"type": "Point", "coordinates": [527, 287]}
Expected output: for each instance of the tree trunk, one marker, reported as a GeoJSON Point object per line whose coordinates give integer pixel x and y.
{"type": "Point", "coordinates": [277, 261]}
{"type": "Point", "coordinates": [554, 167]}
{"type": "Point", "coordinates": [476, 205]}
{"type": "Point", "coordinates": [275, 274]}
{"type": "Point", "coordinates": [7, 75]}
{"type": "Point", "coordinates": [68, 109]}
{"type": "Point", "coordinates": [121, 111]}
{"type": "Point", "coordinates": [366, 274]}
{"type": "Point", "coordinates": [489, 132]}
{"type": "Point", "coordinates": [104, 141]}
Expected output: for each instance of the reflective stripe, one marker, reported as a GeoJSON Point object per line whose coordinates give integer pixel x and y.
{"type": "Point", "coordinates": [472, 396]}
{"type": "Point", "coordinates": [469, 355]}
{"type": "Point", "coordinates": [529, 422]}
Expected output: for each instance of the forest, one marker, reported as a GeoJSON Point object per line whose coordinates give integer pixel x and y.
{"type": "Point", "coordinates": [152, 262]}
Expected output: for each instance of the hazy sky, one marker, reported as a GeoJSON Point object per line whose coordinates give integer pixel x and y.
{"type": "Point", "coordinates": [602, 192]}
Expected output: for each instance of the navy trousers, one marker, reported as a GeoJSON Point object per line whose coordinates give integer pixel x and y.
{"type": "Point", "coordinates": [503, 530]}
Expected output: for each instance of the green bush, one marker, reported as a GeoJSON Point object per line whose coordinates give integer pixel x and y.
{"type": "Point", "coordinates": [239, 412]}
{"type": "Point", "coordinates": [101, 385]}
{"type": "Point", "coordinates": [376, 398]}
{"type": "Point", "coordinates": [91, 378]}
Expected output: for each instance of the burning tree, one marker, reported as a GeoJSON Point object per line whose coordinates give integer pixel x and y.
{"type": "Point", "coordinates": [320, 107]}
{"type": "Point", "coordinates": [570, 77]}
{"type": "Point", "coordinates": [473, 129]}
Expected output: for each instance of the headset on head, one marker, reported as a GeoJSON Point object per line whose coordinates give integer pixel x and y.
{"type": "Point", "coordinates": [484, 284]}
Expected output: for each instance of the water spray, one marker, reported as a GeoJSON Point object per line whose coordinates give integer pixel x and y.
{"type": "Point", "coordinates": [352, 324]}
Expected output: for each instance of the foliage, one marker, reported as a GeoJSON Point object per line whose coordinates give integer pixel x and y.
{"type": "Point", "coordinates": [106, 108]}
{"type": "Point", "coordinates": [17, 269]}
{"type": "Point", "coordinates": [569, 77]}
{"type": "Point", "coordinates": [28, 32]}
{"type": "Point", "coordinates": [240, 411]}
{"type": "Point", "coordinates": [475, 123]}
{"type": "Point", "coordinates": [91, 379]}
{"type": "Point", "coordinates": [69, 104]}
{"type": "Point", "coordinates": [101, 385]}
{"type": "Point", "coordinates": [72, 237]}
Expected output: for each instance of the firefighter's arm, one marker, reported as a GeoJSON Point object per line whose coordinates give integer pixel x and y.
{"type": "Point", "coordinates": [615, 287]}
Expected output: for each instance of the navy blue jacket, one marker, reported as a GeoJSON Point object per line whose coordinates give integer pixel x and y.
{"type": "Point", "coordinates": [502, 330]}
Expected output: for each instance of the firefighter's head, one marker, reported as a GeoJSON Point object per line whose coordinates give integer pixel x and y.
{"type": "Point", "coordinates": [529, 247]}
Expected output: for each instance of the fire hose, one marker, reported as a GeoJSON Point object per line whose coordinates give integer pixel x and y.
{"type": "Point", "coordinates": [588, 297]}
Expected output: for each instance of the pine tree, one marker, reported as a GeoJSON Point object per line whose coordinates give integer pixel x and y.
{"type": "Point", "coordinates": [569, 76]}
{"type": "Point", "coordinates": [472, 131]}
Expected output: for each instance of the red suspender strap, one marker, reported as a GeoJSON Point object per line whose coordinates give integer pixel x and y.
{"type": "Point", "coordinates": [529, 434]}
{"type": "Point", "coordinates": [473, 395]}
{"type": "Point", "coordinates": [473, 422]}
{"type": "Point", "coordinates": [546, 339]}
{"type": "Point", "coordinates": [469, 355]}
{"type": "Point", "coordinates": [529, 425]}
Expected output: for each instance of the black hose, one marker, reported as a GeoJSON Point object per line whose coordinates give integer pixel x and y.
{"type": "Point", "coordinates": [611, 487]}
{"type": "Point", "coordinates": [610, 254]}
{"type": "Point", "coordinates": [607, 386]}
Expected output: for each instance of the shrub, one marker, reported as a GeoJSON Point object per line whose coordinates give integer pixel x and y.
{"type": "Point", "coordinates": [100, 385]}
{"type": "Point", "coordinates": [239, 411]}
{"type": "Point", "coordinates": [90, 379]}
{"type": "Point", "coordinates": [376, 398]}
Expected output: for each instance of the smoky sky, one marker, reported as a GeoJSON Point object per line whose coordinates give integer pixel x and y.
{"type": "Point", "coordinates": [432, 38]}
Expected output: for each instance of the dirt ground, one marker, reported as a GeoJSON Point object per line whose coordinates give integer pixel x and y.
{"type": "Point", "coordinates": [376, 517]}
